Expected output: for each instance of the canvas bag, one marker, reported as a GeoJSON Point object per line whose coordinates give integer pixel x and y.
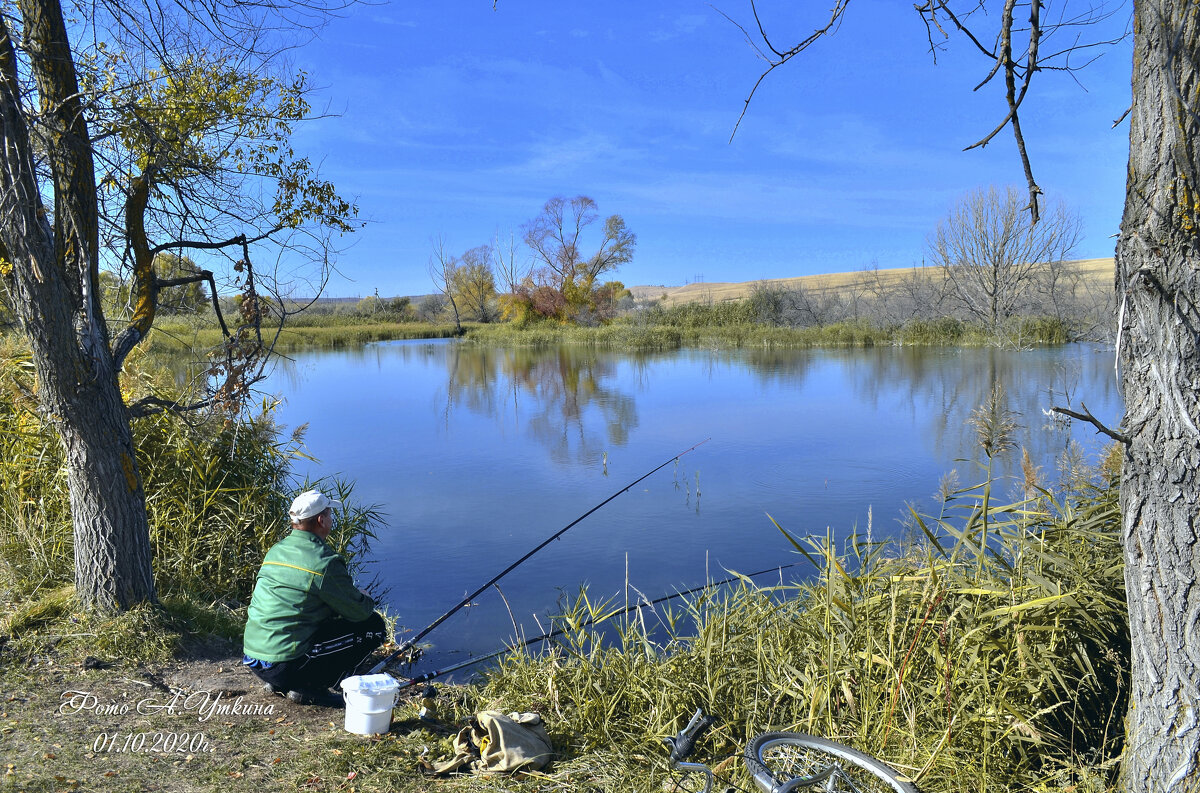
{"type": "Point", "coordinates": [496, 743]}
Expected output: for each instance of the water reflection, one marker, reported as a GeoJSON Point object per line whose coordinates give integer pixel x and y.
{"type": "Point", "coordinates": [790, 366]}
{"type": "Point", "coordinates": [567, 399]}
{"type": "Point", "coordinates": [939, 391]}
{"type": "Point", "coordinates": [477, 454]}
{"type": "Point", "coordinates": [578, 405]}
{"type": "Point", "coordinates": [578, 411]}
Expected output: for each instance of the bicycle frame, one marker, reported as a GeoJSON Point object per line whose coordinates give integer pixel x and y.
{"type": "Point", "coordinates": [697, 767]}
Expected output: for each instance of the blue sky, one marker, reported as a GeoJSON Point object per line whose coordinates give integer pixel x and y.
{"type": "Point", "coordinates": [456, 120]}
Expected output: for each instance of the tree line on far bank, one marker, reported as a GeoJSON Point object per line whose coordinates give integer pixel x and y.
{"type": "Point", "coordinates": [986, 267]}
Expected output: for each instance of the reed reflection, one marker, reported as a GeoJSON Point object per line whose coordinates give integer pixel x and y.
{"type": "Point", "coordinates": [940, 392]}
{"type": "Point", "coordinates": [936, 391]}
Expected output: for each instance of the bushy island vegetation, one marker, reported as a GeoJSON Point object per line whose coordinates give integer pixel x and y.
{"type": "Point", "coordinates": [988, 652]}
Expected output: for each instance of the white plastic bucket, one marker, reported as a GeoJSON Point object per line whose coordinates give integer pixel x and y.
{"type": "Point", "coordinates": [369, 703]}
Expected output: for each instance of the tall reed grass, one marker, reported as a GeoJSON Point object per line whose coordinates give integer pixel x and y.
{"type": "Point", "coordinates": [185, 336]}
{"type": "Point", "coordinates": [990, 654]}
{"type": "Point", "coordinates": [722, 327]}
{"type": "Point", "coordinates": [730, 325]}
{"type": "Point", "coordinates": [640, 336]}
{"type": "Point", "coordinates": [217, 490]}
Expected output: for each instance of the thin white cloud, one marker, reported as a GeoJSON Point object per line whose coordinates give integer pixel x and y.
{"type": "Point", "coordinates": [554, 157]}
{"type": "Point", "coordinates": [690, 23]}
{"type": "Point", "coordinates": [391, 21]}
{"type": "Point", "coordinates": [675, 27]}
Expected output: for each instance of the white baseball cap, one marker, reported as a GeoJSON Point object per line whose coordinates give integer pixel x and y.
{"type": "Point", "coordinates": [309, 503]}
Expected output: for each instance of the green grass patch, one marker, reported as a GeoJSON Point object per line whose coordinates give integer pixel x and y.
{"type": "Point", "coordinates": [51, 622]}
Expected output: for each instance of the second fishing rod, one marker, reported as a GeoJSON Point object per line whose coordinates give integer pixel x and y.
{"type": "Point", "coordinates": [516, 645]}
{"type": "Point", "coordinates": [411, 642]}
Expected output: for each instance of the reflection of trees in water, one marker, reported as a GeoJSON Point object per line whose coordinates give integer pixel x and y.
{"type": "Point", "coordinates": [473, 381]}
{"type": "Point", "coordinates": [565, 385]}
{"type": "Point", "coordinates": [571, 405]}
{"type": "Point", "coordinates": [940, 390]}
{"type": "Point", "coordinates": [789, 366]}
{"type": "Point", "coordinates": [188, 372]}
{"type": "Point", "coordinates": [767, 365]}
{"type": "Point", "coordinates": [579, 403]}
{"type": "Point", "coordinates": [381, 354]}
{"type": "Point", "coordinates": [568, 396]}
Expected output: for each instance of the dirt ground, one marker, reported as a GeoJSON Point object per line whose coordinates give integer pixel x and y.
{"type": "Point", "coordinates": [197, 725]}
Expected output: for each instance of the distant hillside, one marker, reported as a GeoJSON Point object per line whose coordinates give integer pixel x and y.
{"type": "Point", "coordinates": [324, 300]}
{"type": "Point", "coordinates": [1099, 269]}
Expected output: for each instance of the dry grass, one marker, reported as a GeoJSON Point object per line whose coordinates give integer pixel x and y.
{"type": "Point", "coordinates": [1098, 271]}
{"type": "Point", "coordinates": [988, 659]}
{"type": "Point", "coordinates": [233, 476]}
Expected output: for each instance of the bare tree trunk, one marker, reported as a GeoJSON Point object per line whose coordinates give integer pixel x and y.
{"type": "Point", "coordinates": [108, 507]}
{"type": "Point", "coordinates": [79, 393]}
{"type": "Point", "coordinates": [1158, 281]}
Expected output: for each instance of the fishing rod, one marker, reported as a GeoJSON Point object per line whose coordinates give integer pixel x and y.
{"type": "Point", "coordinates": [410, 642]}
{"type": "Point", "coordinates": [427, 676]}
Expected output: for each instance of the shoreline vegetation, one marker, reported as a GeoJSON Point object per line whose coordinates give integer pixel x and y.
{"type": "Point", "coordinates": [671, 334]}
{"type": "Point", "coordinates": [902, 307]}
{"type": "Point", "coordinates": [987, 651]}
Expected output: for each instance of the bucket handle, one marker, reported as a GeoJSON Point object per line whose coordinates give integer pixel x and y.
{"type": "Point", "coordinates": [395, 696]}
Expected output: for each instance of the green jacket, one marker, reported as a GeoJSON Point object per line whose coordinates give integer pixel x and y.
{"type": "Point", "coordinates": [301, 584]}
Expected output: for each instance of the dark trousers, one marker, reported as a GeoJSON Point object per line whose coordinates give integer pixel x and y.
{"type": "Point", "coordinates": [338, 647]}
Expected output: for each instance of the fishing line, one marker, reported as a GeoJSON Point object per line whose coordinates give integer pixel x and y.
{"type": "Point", "coordinates": [426, 677]}
{"type": "Point", "coordinates": [410, 642]}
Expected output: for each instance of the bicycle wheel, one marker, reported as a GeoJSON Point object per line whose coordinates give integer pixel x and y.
{"type": "Point", "coordinates": [776, 758]}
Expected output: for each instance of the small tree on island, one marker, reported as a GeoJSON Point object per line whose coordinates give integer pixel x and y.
{"type": "Point", "coordinates": [474, 284]}
{"type": "Point", "coordinates": [565, 286]}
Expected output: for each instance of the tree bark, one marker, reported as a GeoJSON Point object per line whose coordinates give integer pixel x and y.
{"type": "Point", "coordinates": [108, 506]}
{"type": "Point", "coordinates": [1158, 284]}
{"type": "Point", "coordinates": [55, 272]}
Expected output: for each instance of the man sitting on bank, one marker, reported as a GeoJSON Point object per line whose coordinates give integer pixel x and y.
{"type": "Point", "coordinates": [308, 626]}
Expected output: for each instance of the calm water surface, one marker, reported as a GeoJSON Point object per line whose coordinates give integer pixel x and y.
{"type": "Point", "coordinates": [477, 455]}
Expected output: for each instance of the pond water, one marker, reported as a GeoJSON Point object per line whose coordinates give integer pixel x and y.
{"type": "Point", "coordinates": [477, 455]}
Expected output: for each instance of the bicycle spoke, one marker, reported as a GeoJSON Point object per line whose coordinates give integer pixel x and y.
{"type": "Point", "coordinates": [788, 760]}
